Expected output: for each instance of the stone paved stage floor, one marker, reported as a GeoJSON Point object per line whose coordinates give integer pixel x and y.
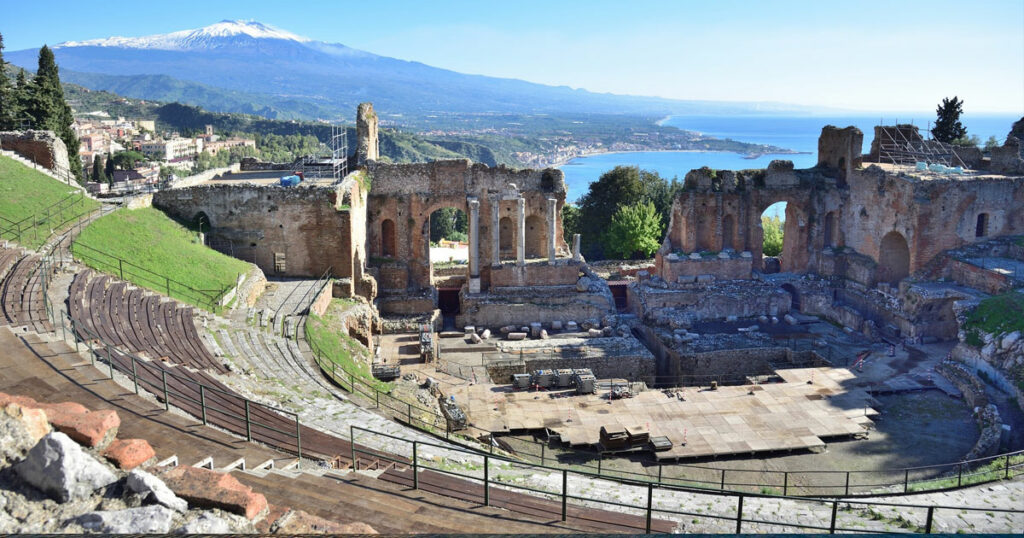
{"type": "Point", "coordinates": [791, 415]}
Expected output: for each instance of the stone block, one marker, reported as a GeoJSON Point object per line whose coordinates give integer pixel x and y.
{"type": "Point", "coordinates": [142, 520]}
{"type": "Point", "coordinates": [33, 420]}
{"type": "Point", "coordinates": [299, 522]}
{"type": "Point", "coordinates": [686, 279]}
{"type": "Point", "coordinates": [607, 331]}
{"type": "Point", "coordinates": [154, 490]}
{"type": "Point", "coordinates": [60, 468]}
{"type": "Point", "coordinates": [90, 428]}
{"type": "Point", "coordinates": [535, 328]}
{"type": "Point", "coordinates": [732, 318]}
{"type": "Point", "coordinates": [543, 334]}
{"type": "Point", "coordinates": [790, 319]}
{"type": "Point", "coordinates": [705, 279]}
{"type": "Point", "coordinates": [571, 326]}
{"type": "Point", "coordinates": [475, 338]}
{"type": "Point", "coordinates": [723, 255]}
{"type": "Point", "coordinates": [594, 333]}
{"type": "Point", "coordinates": [746, 254]}
{"type": "Point", "coordinates": [486, 334]}
{"type": "Point", "coordinates": [517, 336]}
{"type": "Point", "coordinates": [556, 325]}
{"type": "Point", "coordinates": [129, 453]}
{"type": "Point", "coordinates": [206, 523]}
{"type": "Point", "coordinates": [470, 330]}
{"type": "Point", "coordinates": [695, 256]}
{"type": "Point", "coordinates": [205, 488]}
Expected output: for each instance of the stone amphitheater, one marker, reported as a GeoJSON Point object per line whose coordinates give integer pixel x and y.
{"type": "Point", "coordinates": [772, 379]}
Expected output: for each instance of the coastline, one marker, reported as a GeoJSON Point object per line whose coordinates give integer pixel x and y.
{"type": "Point", "coordinates": [563, 162]}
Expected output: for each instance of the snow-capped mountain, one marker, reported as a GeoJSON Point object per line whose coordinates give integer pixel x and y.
{"type": "Point", "coordinates": [208, 37]}
{"type": "Point", "coordinates": [235, 66]}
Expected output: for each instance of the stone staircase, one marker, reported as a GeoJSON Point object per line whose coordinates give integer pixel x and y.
{"type": "Point", "coordinates": [63, 178]}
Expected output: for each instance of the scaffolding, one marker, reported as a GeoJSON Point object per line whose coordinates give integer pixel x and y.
{"type": "Point", "coordinates": [330, 161]}
{"type": "Point", "coordinates": [903, 144]}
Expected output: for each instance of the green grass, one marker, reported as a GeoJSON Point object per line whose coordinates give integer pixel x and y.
{"type": "Point", "coordinates": [328, 334]}
{"type": "Point", "coordinates": [31, 198]}
{"type": "Point", "coordinates": [157, 249]}
{"type": "Point", "coordinates": [990, 472]}
{"type": "Point", "coordinates": [995, 315]}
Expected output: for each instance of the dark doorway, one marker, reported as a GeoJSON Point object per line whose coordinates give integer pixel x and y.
{"type": "Point", "coordinates": [981, 228]}
{"type": "Point", "coordinates": [794, 295]}
{"type": "Point", "coordinates": [618, 288]}
{"type": "Point", "coordinates": [448, 304]}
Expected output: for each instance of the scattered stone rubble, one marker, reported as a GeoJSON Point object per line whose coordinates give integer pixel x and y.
{"type": "Point", "coordinates": [54, 482]}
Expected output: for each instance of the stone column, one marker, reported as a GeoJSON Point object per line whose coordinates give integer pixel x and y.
{"type": "Point", "coordinates": [496, 230]}
{"type": "Point", "coordinates": [521, 231]}
{"type": "Point", "coordinates": [576, 247]}
{"type": "Point", "coordinates": [474, 245]}
{"type": "Point", "coordinates": [551, 229]}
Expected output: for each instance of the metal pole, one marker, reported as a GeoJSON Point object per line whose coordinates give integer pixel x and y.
{"type": "Point", "coordinates": [248, 425]}
{"type": "Point", "coordinates": [167, 400]}
{"type": "Point", "coordinates": [565, 491]}
{"type": "Point", "coordinates": [959, 474]}
{"type": "Point", "coordinates": [847, 482]}
{"type": "Point", "coordinates": [928, 521]}
{"type": "Point", "coordinates": [906, 480]}
{"type": "Point", "coordinates": [352, 438]}
{"type": "Point", "coordinates": [659, 473]}
{"type": "Point", "coordinates": [739, 513]}
{"type": "Point", "coordinates": [785, 483]}
{"type": "Point", "coordinates": [415, 468]}
{"type": "Point", "coordinates": [110, 362]}
{"type": "Point", "coordinates": [835, 511]}
{"type": "Point", "coordinates": [135, 375]}
{"type": "Point", "coordinates": [650, 505]}
{"type": "Point", "coordinates": [487, 489]}
{"type": "Point", "coordinates": [298, 437]}
{"type": "Point", "coordinates": [1007, 475]}
{"type": "Point", "coordinates": [723, 480]}
{"type": "Point", "coordinates": [542, 455]}
{"type": "Point", "coordinates": [202, 402]}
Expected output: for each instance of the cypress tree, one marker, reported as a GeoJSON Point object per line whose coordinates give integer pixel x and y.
{"type": "Point", "coordinates": [50, 111]}
{"type": "Point", "coordinates": [108, 170]}
{"type": "Point", "coordinates": [8, 99]}
{"type": "Point", "coordinates": [97, 168]}
{"type": "Point", "coordinates": [947, 123]}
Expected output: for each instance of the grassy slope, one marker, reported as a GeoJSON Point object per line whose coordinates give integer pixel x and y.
{"type": "Point", "coordinates": [25, 192]}
{"type": "Point", "coordinates": [328, 334]}
{"type": "Point", "coordinates": [153, 241]}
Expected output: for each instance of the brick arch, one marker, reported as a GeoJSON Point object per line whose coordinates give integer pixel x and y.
{"type": "Point", "coordinates": [893, 258]}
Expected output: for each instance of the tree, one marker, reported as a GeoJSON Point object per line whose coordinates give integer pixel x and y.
{"type": "Point", "coordinates": [773, 234]}
{"type": "Point", "coordinates": [50, 111]}
{"type": "Point", "coordinates": [8, 98]}
{"type": "Point", "coordinates": [991, 143]}
{"type": "Point", "coordinates": [97, 169]}
{"type": "Point", "coordinates": [448, 223]}
{"type": "Point", "coordinates": [947, 123]}
{"type": "Point", "coordinates": [570, 221]}
{"type": "Point", "coordinates": [125, 160]}
{"type": "Point", "coordinates": [108, 170]}
{"type": "Point", "coordinates": [634, 231]}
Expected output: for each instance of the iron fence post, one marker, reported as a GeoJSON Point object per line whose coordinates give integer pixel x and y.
{"type": "Point", "coordinates": [928, 521]}
{"type": "Point", "coordinates": [723, 480]}
{"type": "Point", "coordinates": [135, 375]}
{"type": "Point", "coordinates": [202, 402]}
{"type": "Point", "coordinates": [167, 400]}
{"type": "Point", "coordinates": [110, 361]}
{"type": "Point", "coordinates": [120, 267]}
{"type": "Point", "coordinates": [659, 473]}
{"type": "Point", "coordinates": [959, 474]}
{"type": "Point", "coordinates": [248, 425]}
{"type": "Point", "coordinates": [415, 467]}
{"type": "Point", "coordinates": [650, 506]}
{"type": "Point", "coordinates": [739, 513]}
{"type": "Point", "coordinates": [487, 489]}
{"type": "Point", "coordinates": [352, 438]}
{"type": "Point", "coordinates": [565, 491]}
{"type": "Point", "coordinates": [835, 511]}
{"type": "Point", "coordinates": [785, 482]}
{"type": "Point", "coordinates": [542, 455]}
{"type": "Point", "coordinates": [906, 480]}
{"type": "Point", "coordinates": [408, 412]}
{"type": "Point", "coordinates": [847, 489]}
{"type": "Point", "coordinates": [1007, 475]}
{"type": "Point", "coordinates": [298, 438]}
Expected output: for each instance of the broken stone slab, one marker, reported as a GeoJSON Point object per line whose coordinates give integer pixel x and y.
{"type": "Point", "coordinates": [475, 338]}
{"type": "Point", "coordinates": [789, 319]}
{"type": "Point", "coordinates": [507, 329]}
{"type": "Point", "coordinates": [300, 522]}
{"type": "Point", "coordinates": [486, 334]}
{"type": "Point", "coordinates": [762, 319]}
{"type": "Point", "coordinates": [607, 331]}
{"type": "Point", "coordinates": [205, 488]}
{"type": "Point", "coordinates": [594, 333]}
{"type": "Point", "coordinates": [129, 453]}
{"type": "Point", "coordinates": [746, 254]}
{"type": "Point", "coordinates": [571, 326]}
{"type": "Point", "coordinates": [34, 421]}
{"type": "Point", "coordinates": [751, 329]}
{"type": "Point", "coordinates": [153, 519]}
{"type": "Point", "coordinates": [206, 523]}
{"type": "Point", "coordinates": [695, 256]}
{"type": "Point", "coordinates": [535, 328]}
{"type": "Point", "coordinates": [16, 432]}
{"type": "Point", "coordinates": [672, 257]}
{"type": "Point", "coordinates": [154, 490]}
{"type": "Point", "coordinates": [517, 336]}
{"type": "Point", "coordinates": [723, 255]}
{"type": "Point", "coordinates": [470, 330]}
{"type": "Point", "coordinates": [60, 468]}
{"type": "Point", "coordinates": [583, 284]}
{"type": "Point", "coordinates": [732, 318]}
{"type": "Point", "coordinates": [775, 320]}
{"type": "Point", "coordinates": [90, 428]}
{"type": "Point", "coordinates": [686, 279]}
{"type": "Point", "coordinates": [705, 279]}
{"type": "Point", "coordinates": [556, 325]}
{"type": "Point", "coordinates": [544, 334]}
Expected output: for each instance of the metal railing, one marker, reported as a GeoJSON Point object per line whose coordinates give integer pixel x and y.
{"type": "Point", "coordinates": [925, 513]}
{"type": "Point", "coordinates": [108, 263]}
{"type": "Point", "coordinates": [44, 222]}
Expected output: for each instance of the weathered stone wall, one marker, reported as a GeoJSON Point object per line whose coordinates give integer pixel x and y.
{"type": "Point", "coordinates": [521, 306]}
{"type": "Point", "coordinates": [563, 273]}
{"type": "Point", "coordinates": [41, 147]}
{"type": "Point", "coordinates": [367, 144]}
{"type": "Point", "coordinates": [310, 229]}
{"type": "Point", "coordinates": [673, 268]}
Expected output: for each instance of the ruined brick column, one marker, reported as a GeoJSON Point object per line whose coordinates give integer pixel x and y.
{"type": "Point", "coordinates": [551, 229]}
{"type": "Point", "coordinates": [576, 247]}
{"type": "Point", "coordinates": [495, 230]}
{"type": "Point", "coordinates": [474, 245]}
{"type": "Point", "coordinates": [521, 231]}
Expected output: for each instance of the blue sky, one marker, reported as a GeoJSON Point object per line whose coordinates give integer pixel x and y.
{"type": "Point", "coordinates": [867, 55]}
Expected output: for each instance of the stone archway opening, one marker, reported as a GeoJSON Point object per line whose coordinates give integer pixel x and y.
{"type": "Point", "coordinates": [830, 229]}
{"type": "Point", "coordinates": [794, 296]}
{"type": "Point", "coordinates": [773, 234]}
{"type": "Point", "coordinates": [893, 258]}
{"type": "Point", "coordinates": [981, 225]}
{"type": "Point", "coordinates": [448, 230]}
{"type": "Point", "coordinates": [728, 232]}
{"type": "Point", "coordinates": [507, 238]}
{"type": "Point", "coordinates": [387, 238]}
{"type": "Point", "coordinates": [536, 241]}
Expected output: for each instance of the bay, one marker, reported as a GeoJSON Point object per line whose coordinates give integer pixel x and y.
{"type": "Point", "coordinates": [798, 133]}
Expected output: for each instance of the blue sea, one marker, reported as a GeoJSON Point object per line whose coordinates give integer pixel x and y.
{"type": "Point", "coordinates": [799, 133]}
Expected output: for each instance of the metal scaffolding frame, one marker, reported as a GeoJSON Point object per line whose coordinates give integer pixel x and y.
{"type": "Point", "coordinates": [895, 147]}
{"type": "Point", "coordinates": [330, 162]}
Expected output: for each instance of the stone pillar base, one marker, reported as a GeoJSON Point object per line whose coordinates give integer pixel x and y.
{"type": "Point", "coordinates": [474, 284]}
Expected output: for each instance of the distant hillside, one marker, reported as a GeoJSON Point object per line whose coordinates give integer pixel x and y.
{"type": "Point", "coordinates": [245, 66]}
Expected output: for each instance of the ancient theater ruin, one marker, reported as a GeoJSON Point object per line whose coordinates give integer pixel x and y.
{"type": "Point", "coordinates": [713, 350]}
